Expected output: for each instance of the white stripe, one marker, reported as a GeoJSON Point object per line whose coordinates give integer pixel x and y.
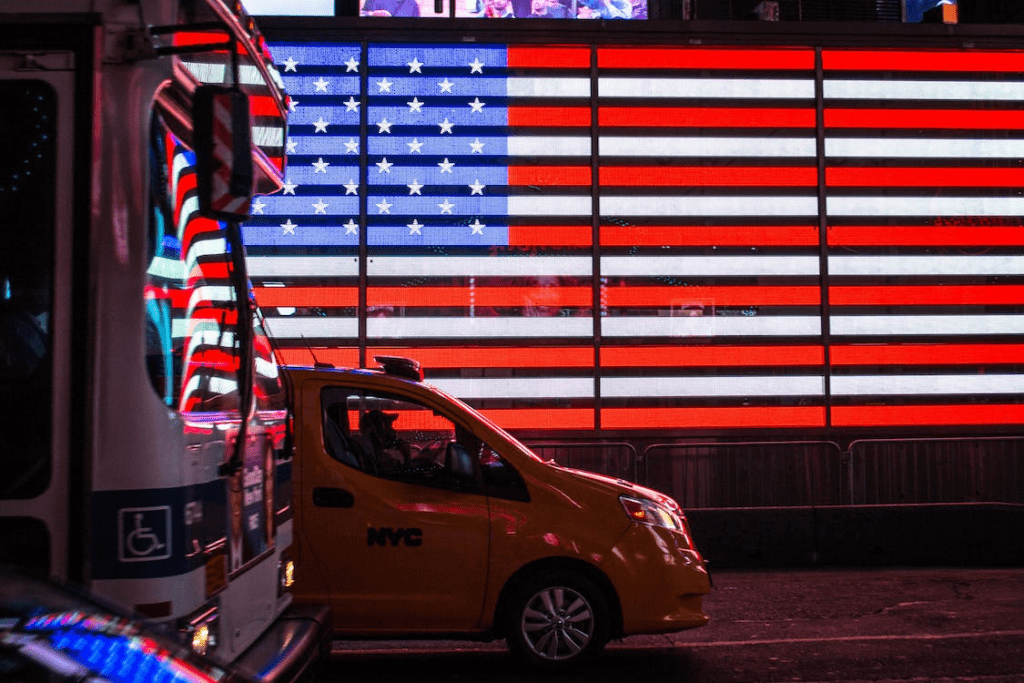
{"type": "Point", "coordinates": [742, 266]}
{"type": "Point", "coordinates": [567, 146]}
{"type": "Point", "coordinates": [627, 387]}
{"type": "Point", "coordinates": [303, 266]}
{"type": "Point", "coordinates": [518, 387]}
{"type": "Point", "coordinates": [205, 72]}
{"type": "Point", "coordinates": [925, 206]}
{"type": "Point", "coordinates": [550, 206]}
{"type": "Point", "coordinates": [210, 296]}
{"type": "Point", "coordinates": [205, 333]}
{"type": "Point", "coordinates": [166, 268]}
{"type": "Point", "coordinates": [268, 136]}
{"type": "Point", "coordinates": [922, 90]}
{"type": "Point", "coordinates": [709, 206]}
{"type": "Point", "coordinates": [959, 325]}
{"type": "Point", "coordinates": [746, 88]}
{"type": "Point", "coordinates": [548, 87]}
{"type": "Point", "coordinates": [311, 328]}
{"type": "Point", "coordinates": [189, 211]}
{"type": "Point", "coordinates": [926, 265]}
{"type": "Point", "coordinates": [866, 385]}
{"type": "Point", "coordinates": [478, 328]}
{"type": "Point", "coordinates": [710, 326]}
{"type": "Point", "coordinates": [706, 147]}
{"type": "Point", "coordinates": [510, 266]}
{"type": "Point", "coordinates": [933, 148]}
{"type": "Point", "coordinates": [207, 246]}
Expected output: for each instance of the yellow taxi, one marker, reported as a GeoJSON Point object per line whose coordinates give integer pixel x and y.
{"type": "Point", "coordinates": [416, 516]}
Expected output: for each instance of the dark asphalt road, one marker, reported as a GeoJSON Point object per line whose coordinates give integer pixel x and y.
{"type": "Point", "coordinates": [849, 625]}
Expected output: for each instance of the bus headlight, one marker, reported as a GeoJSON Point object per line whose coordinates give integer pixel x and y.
{"type": "Point", "coordinates": [201, 630]}
{"type": "Point", "coordinates": [285, 573]}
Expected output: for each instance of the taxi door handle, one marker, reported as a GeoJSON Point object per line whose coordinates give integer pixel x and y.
{"type": "Point", "coordinates": [325, 497]}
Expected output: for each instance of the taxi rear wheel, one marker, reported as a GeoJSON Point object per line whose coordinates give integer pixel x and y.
{"type": "Point", "coordinates": [557, 619]}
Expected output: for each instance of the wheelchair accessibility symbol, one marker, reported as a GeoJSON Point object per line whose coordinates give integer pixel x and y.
{"type": "Point", "coordinates": [144, 534]}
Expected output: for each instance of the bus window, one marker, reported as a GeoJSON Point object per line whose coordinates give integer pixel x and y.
{"type": "Point", "coordinates": [27, 190]}
{"type": "Point", "coordinates": [191, 350]}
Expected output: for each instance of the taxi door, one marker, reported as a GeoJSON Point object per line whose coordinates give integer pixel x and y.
{"type": "Point", "coordinates": [400, 546]}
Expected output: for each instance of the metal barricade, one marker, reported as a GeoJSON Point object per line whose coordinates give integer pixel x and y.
{"type": "Point", "coordinates": [746, 474]}
{"type": "Point", "coordinates": [960, 470]}
{"type": "Point", "coordinates": [614, 459]}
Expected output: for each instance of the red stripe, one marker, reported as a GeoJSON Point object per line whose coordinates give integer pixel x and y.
{"type": "Point", "coordinates": [635, 57]}
{"type": "Point", "coordinates": [709, 356]}
{"type": "Point", "coordinates": [339, 358]}
{"type": "Point", "coordinates": [492, 357]}
{"type": "Point", "coordinates": [713, 176]}
{"type": "Point", "coordinates": [550, 235]}
{"type": "Point", "coordinates": [924, 177]}
{"type": "Point", "coordinates": [924, 118]}
{"type": "Point", "coordinates": [939, 295]}
{"type": "Point", "coordinates": [427, 297]}
{"type": "Point", "coordinates": [265, 106]}
{"type": "Point", "coordinates": [931, 60]}
{"type": "Point", "coordinates": [712, 418]}
{"type": "Point", "coordinates": [549, 175]}
{"type": "Point", "coordinates": [548, 57]}
{"type": "Point", "coordinates": [306, 296]}
{"type": "Point", "coordinates": [711, 296]}
{"type": "Point", "coordinates": [534, 419]}
{"type": "Point", "coordinates": [912, 235]}
{"type": "Point", "coordinates": [925, 354]}
{"type": "Point", "coordinates": [549, 116]}
{"type": "Point", "coordinates": [932, 416]}
{"type": "Point", "coordinates": [706, 117]}
{"type": "Point", "coordinates": [703, 235]}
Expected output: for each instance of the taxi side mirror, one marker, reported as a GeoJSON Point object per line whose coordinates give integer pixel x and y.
{"type": "Point", "coordinates": [223, 145]}
{"type": "Point", "coordinates": [458, 464]}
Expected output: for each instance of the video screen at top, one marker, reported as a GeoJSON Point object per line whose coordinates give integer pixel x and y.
{"type": "Point", "coordinates": [508, 9]}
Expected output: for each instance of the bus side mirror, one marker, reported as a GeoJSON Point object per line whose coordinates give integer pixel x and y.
{"type": "Point", "coordinates": [223, 145]}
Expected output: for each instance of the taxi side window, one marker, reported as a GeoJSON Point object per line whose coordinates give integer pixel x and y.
{"type": "Point", "coordinates": [395, 438]}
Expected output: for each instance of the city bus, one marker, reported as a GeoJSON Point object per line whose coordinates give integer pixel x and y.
{"type": "Point", "coordinates": [143, 419]}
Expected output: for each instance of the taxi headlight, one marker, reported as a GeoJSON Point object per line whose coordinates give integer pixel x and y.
{"type": "Point", "coordinates": [651, 513]}
{"type": "Point", "coordinates": [201, 630]}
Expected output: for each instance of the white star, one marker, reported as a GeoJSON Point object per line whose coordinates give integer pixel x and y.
{"type": "Point", "coordinates": [352, 146]}
{"type": "Point", "coordinates": [320, 166]}
{"type": "Point", "coordinates": [351, 228]}
{"type": "Point", "coordinates": [446, 207]}
{"type": "Point", "coordinates": [476, 66]}
{"type": "Point", "coordinates": [476, 106]}
{"type": "Point", "coordinates": [289, 227]}
{"type": "Point", "coordinates": [257, 207]}
{"type": "Point", "coordinates": [414, 227]}
{"type": "Point", "coordinates": [351, 187]}
{"type": "Point", "coordinates": [477, 187]}
{"type": "Point", "coordinates": [321, 84]}
{"type": "Point", "coordinates": [290, 64]}
{"type": "Point", "coordinates": [384, 126]}
{"type": "Point", "coordinates": [351, 104]}
{"type": "Point", "coordinates": [292, 103]}
{"type": "Point", "coordinates": [478, 227]}
{"type": "Point", "coordinates": [320, 207]}
{"type": "Point", "coordinates": [414, 66]}
{"type": "Point", "coordinates": [320, 126]}
{"type": "Point", "coordinates": [446, 166]}
{"type": "Point", "coordinates": [352, 65]}
{"type": "Point", "coordinates": [415, 105]}
{"type": "Point", "coordinates": [477, 146]}
{"type": "Point", "coordinates": [289, 187]}
{"type": "Point", "coordinates": [384, 166]}
{"type": "Point", "coordinates": [291, 146]}
{"type": "Point", "coordinates": [446, 126]}
{"type": "Point", "coordinates": [415, 146]}
{"type": "Point", "coordinates": [384, 206]}
{"type": "Point", "coordinates": [384, 85]}
{"type": "Point", "coordinates": [415, 187]}
{"type": "Point", "coordinates": [446, 85]}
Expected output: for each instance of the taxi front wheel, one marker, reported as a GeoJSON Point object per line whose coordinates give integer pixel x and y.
{"type": "Point", "coordinates": [557, 619]}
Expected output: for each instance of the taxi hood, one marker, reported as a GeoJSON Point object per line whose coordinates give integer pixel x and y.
{"type": "Point", "coordinates": [613, 485]}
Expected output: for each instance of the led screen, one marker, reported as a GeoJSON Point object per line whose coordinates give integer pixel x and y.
{"type": "Point", "coordinates": [684, 242]}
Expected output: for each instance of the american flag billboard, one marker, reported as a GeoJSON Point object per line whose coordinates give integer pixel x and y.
{"type": "Point", "coordinates": [610, 237]}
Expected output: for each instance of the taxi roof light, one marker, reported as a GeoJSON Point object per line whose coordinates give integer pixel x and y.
{"type": "Point", "coordinates": [401, 367]}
